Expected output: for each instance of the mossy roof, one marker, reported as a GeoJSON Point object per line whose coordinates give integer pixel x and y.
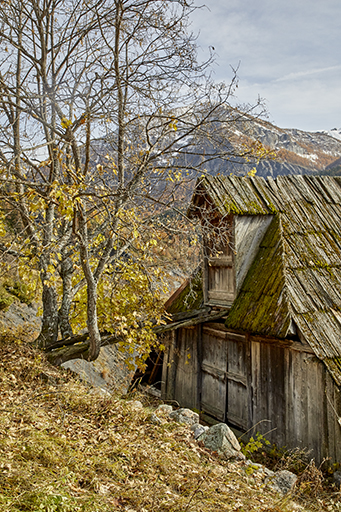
{"type": "Point", "coordinates": [188, 297]}
{"type": "Point", "coordinates": [261, 306]}
{"type": "Point", "coordinates": [296, 275]}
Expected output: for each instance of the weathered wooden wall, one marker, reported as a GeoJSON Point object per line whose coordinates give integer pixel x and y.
{"type": "Point", "coordinates": [180, 375]}
{"type": "Point", "coordinates": [280, 389]}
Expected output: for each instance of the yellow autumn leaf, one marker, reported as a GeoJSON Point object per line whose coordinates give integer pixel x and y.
{"type": "Point", "coordinates": [65, 122]}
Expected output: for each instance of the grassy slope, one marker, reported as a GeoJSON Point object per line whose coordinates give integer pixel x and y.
{"type": "Point", "coordinates": [63, 448]}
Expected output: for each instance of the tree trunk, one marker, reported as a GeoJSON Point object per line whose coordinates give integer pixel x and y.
{"type": "Point", "coordinates": [49, 329]}
{"type": "Point", "coordinates": [64, 311]}
{"type": "Point", "coordinates": [92, 321]}
{"type": "Point", "coordinates": [91, 289]}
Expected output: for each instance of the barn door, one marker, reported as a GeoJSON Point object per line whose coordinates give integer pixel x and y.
{"type": "Point", "coordinates": [213, 373]}
{"type": "Point", "coordinates": [238, 370]}
{"type": "Point", "coordinates": [224, 376]}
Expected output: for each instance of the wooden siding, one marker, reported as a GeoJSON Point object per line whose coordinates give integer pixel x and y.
{"type": "Point", "coordinates": [180, 373]}
{"type": "Point", "coordinates": [281, 389]}
{"type": "Point", "coordinates": [248, 233]}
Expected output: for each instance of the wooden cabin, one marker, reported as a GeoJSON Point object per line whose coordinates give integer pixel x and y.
{"type": "Point", "coordinates": [255, 336]}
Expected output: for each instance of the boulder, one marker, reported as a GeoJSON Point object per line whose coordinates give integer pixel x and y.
{"type": "Point", "coordinates": [164, 408]}
{"type": "Point", "coordinates": [222, 440]}
{"type": "Point", "coordinates": [109, 371]}
{"type": "Point", "coordinates": [199, 431]}
{"type": "Point", "coordinates": [282, 481]}
{"type": "Point", "coordinates": [185, 416]}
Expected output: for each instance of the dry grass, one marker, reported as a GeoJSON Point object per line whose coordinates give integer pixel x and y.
{"type": "Point", "coordinates": [64, 448]}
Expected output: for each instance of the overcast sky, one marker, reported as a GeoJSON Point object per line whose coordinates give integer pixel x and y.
{"type": "Point", "coordinates": [289, 53]}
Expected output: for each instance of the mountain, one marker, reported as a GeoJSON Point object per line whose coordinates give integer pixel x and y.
{"type": "Point", "coordinates": [294, 151]}
{"type": "Point", "coordinates": [334, 132]}
{"type": "Point", "coordinates": [297, 151]}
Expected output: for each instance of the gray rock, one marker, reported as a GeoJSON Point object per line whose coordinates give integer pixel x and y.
{"type": "Point", "coordinates": [282, 481]}
{"type": "Point", "coordinates": [337, 479]}
{"type": "Point", "coordinates": [20, 315]}
{"type": "Point", "coordinates": [252, 468]}
{"type": "Point", "coordinates": [164, 408]}
{"type": "Point", "coordinates": [135, 404]}
{"type": "Point", "coordinates": [155, 419]}
{"type": "Point", "coordinates": [222, 440]}
{"type": "Point", "coordinates": [108, 372]}
{"type": "Point", "coordinates": [185, 416]}
{"type": "Point", "coordinates": [199, 431]}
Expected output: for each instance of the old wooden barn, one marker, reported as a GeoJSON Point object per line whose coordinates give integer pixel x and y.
{"type": "Point", "coordinates": [255, 336]}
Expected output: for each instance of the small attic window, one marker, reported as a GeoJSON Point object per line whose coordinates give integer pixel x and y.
{"type": "Point", "coordinates": [219, 275]}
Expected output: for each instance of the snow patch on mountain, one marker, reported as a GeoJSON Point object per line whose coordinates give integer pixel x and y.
{"type": "Point", "coordinates": [334, 132]}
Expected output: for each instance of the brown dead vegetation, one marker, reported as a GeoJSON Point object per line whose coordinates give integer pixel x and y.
{"type": "Point", "coordinates": [64, 448]}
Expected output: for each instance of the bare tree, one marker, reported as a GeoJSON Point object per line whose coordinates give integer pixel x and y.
{"type": "Point", "coordinates": [103, 108]}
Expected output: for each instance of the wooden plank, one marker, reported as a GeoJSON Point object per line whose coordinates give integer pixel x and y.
{"type": "Point", "coordinates": [236, 377]}
{"type": "Point", "coordinates": [220, 295]}
{"type": "Point", "coordinates": [333, 405]}
{"type": "Point", "coordinates": [215, 332]}
{"type": "Point", "coordinates": [224, 261]}
{"type": "Point", "coordinates": [315, 391]}
{"type": "Point", "coordinates": [214, 372]}
{"type": "Point", "coordinates": [213, 367]}
{"type": "Point", "coordinates": [211, 409]}
{"type": "Point", "coordinates": [165, 367]}
{"type": "Point", "coordinates": [256, 396]}
{"type": "Point", "coordinates": [237, 392]}
{"type": "Point", "coordinates": [172, 367]}
{"type": "Point", "coordinates": [199, 372]}
{"type": "Point", "coordinates": [191, 321]}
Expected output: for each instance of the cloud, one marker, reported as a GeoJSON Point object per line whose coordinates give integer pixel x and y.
{"type": "Point", "coordinates": [310, 72]}
{"type": "Point", "coordinates": [286, 49]}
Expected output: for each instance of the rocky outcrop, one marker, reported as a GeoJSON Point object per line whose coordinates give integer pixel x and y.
{"type": "Point", "coordinates": [109, 372]}
{"type": "Point", "coordinates": [221, 440]}
{"type": "Point", "coordinates": [20, 316]}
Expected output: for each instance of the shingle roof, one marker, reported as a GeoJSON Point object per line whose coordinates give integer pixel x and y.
{"type": "Point", "coordinates": [296, 274]}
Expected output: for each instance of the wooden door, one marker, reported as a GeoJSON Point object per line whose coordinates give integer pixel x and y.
{"type": "Point", "coordinates": [225, 369]}
{"type": "Point", "coordinates": [213, 373]}
{"type": "Point", "coordinates": [238, 371]}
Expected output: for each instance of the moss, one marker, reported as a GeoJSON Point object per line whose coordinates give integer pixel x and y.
{"type": "Point", "coordinates": [272, 208]}
{"type": "Point", "coordinates": [19, 290]}
{"type": "Point", "coordinates": [190, 298]}
{"type": "Point", "coordinates": [260, 306]}
{"type": "Point", "coordinates": [5, 298]}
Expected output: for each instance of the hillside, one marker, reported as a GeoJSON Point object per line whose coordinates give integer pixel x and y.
{"type": "Point", "coordinates": [65, 448]}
